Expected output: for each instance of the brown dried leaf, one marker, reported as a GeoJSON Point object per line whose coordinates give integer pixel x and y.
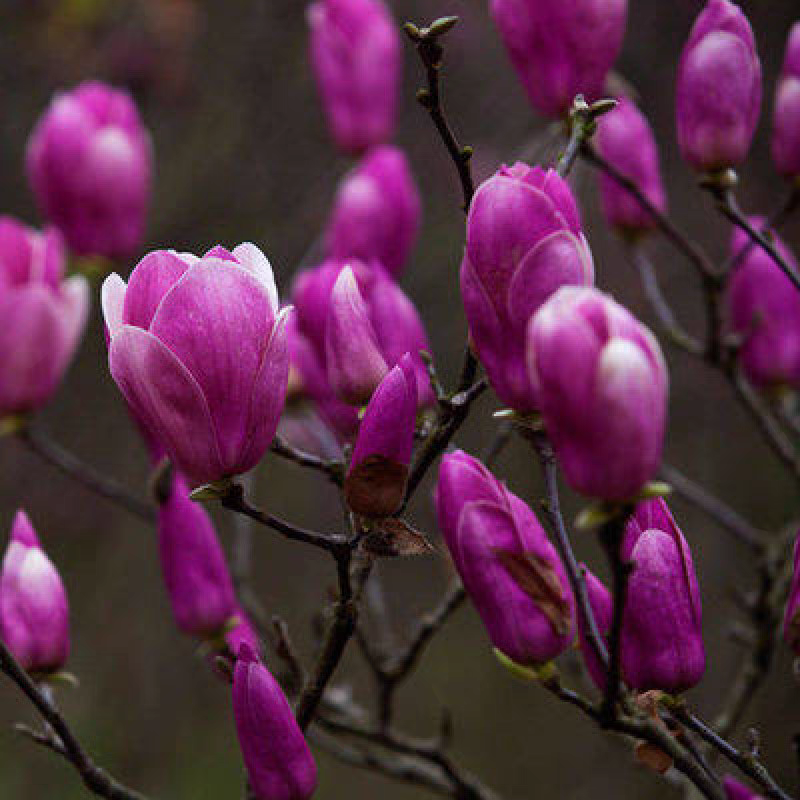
{"type": "Point", "coordinates": [375, 488]}
{"type": "Point", "coordinates": [537, 578]}
{"type": "Point", "coordinates": [652, 757]}
{"type": "Point", "coordinates": [392, 537]}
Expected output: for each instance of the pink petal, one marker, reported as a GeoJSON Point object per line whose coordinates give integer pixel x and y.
{"type": "Point", "coordinates": [165, 396]}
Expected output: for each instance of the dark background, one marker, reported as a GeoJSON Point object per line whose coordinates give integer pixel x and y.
{"type": "Point", "coordinates": [242, 154]}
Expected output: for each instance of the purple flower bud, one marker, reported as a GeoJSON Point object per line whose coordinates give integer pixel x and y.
{"type": "Point", "coordinates": [764, 310]}
{"type": "Point", "coordinates": [718, 91]}
{"type": "Point", "coordinates": [738, 791]}
{"type": "Point", "coordinates": [561, 49]}
{"type": "Point", "coordinates": [243, 632]}
{"type": "Point", "coordinates": [376, 213]}
{"type": "Point", "coordinates": [509, 568]}
{"type": "Point", "coordinates": [193, 563]}
{"type": "Point", "coordinates": [355, 364]}
{"type": "Point", "coordinates": [278, 762]}
{"type": "Point", "coordinates": [199, 350]}
{"type": "Point", "coordinates": [357, 62]}
{"type": "Point", "coordinates": [394, 320]}
{"type": "Point", "coordinates": [624, 138]}
{"type": "Point", "coordinates": [791, 619]}
{"type": "Point", "coordinates": [524, 241]}
{"type": "Point", "coordinates": [376, 479]}
{"type": "Point", "coordinates": [603, 609]}
{"type": "Point", "coordinates": [34, 617]}
{"type": "Point", "coordinates": [309, 378]}
{"type": "Point", "coordinates": [786, 119]}
{"type": "Point", "coordinates": [601, 382]}
{"type": "Point", "coordinates": [662, 638]}
{"type": "Point", "coordinates": [89, 161]}
{"type": "Point", "coordinates": [43, 316]}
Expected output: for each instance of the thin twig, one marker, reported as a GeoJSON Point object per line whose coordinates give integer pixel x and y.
{"type": "Point", "coordinates": [689, 248]}
{"type": "Point", "coordinates": [94, 778]}
{"type": "Point", "coordinates": [750, 766]}
{"type": "Point", "coordinates": [431, 53]}
{"type": "Point", "coordinates": [611, 536]}
{"type": "Point", "coordinates": [715, 508]}
{"type": "Point", "coordinates": [41, 444]}
{"type": "Point", "coordinates": [235, 500]}
{"type": "Point", "coordinates": [726, 202]}
{"type": "Point", "coordinates": [552, 510]}
{"type": "Point", "coordinates": [333, 470]}
{"type": "Point", "coordinates": [337, 638]}
{"type": "Point", "coordinates": [658, 303]}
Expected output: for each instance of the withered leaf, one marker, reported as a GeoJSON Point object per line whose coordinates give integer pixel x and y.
{"type": "Point", "coordinates": [375, 488]}
{"type": "Point", "coordinates": [394, 537]}
{"type": "Point", "coordinates": [537, 578]}
{"type": "Point", "coordinates": [652, 757]}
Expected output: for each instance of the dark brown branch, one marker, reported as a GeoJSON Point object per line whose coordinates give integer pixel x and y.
{"type": "Point", "coordinates": [94, 778]}
{"type": "Point", "coordinates": [726, 202]}
{"type": "Point", "coordinates": [337, 638]}
{"type": "Point", "coordinates": [750, 766]}
{"type": "Point", "coordinates": [452, 416]}
{"type": "Point", "coordinates": [333, 470]}
{"type": "Point", "coordinates": [611, 536]}
{"type": "Point", "coordinates": [463, 785]}
{"type": "Point", "coordinates": [404, 769]}
{"type": "Point", "coordinates": [41, 444]}
{"type": "Point", "coordinates": [552, 510]}
{"type": "Point", "coordinates": [431, 53]}
{"type": "Point", "coordinates": [334, 543]}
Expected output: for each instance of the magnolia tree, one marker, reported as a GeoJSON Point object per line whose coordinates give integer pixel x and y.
{"type": "Point", "coordinates": [212, 360]}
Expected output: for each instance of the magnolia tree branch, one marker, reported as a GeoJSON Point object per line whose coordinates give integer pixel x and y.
{"type": "Point", "coordinates": [658, 303]}
{"type": "Point", "coordinates": [41, 444]}
{"type": "Point", "coordinates": [715, 508]}
{"type": "Point", "coordinates": [693, 252]}
{"type": "Point", "coordinates": [727, 204]}
{"type": "Point", "coordinates": [60, 738]}
{"type": "Point", "coordinates": [334, 470]}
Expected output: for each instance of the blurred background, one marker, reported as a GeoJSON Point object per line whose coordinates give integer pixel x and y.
{"type": "Point", "coordinates": [242, 153]}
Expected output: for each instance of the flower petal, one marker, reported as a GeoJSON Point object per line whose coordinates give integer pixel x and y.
{"type": "Point", "coordinates": [165, 396]}
{"type": "Point", "coordinates": [217, 320]}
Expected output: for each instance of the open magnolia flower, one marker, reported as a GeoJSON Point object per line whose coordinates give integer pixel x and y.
{"type": "Point", "coordinates": [198, 346]}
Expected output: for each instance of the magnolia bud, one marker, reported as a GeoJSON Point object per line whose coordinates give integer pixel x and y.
{"type": "Point", "coordinates": [561, 49]}
{"type": "Point", "coordinates": [278, 762]}
{"type": "Point", "coordinates": [524, 241]}
{"type": "Point", "coordinates": [764, 310]}
{"type": "Point", "coordinates": [376, 479]}
{"type": "Point", "coordinates": [34, 617]}
{"type": "Point", "coordinates": [718, 91]}
{"type": "Point", "coordinates": [357, 61]}
{"type": "Point", "coordinates": [355, 364]}
{"type": "Point", "coordinates": [193, 563]}
{"type": "Point", "coordinates": [376, 212]}
{"type": "Point", "coordinates": [509, 568]}
{"type": "Point", "coordinates": [601, 383]}
{"type": "Point", "coordinates": [624, 139]}
{"type": "Point", "coordinates": [89, 162]}
{"type": "Point", "coordinates": [662, 638]}
{"type": "Point", "coordinates": [786, 119]}
{"type": "Point", "coordinates": [43, 316]}
{"type": "Point", "coordinates": [738, 791]}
